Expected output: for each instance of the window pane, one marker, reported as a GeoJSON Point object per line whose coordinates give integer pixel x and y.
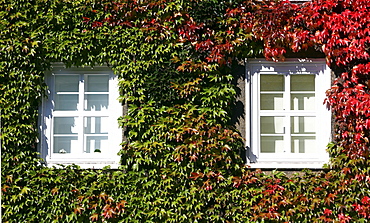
{"type": "Point", "coordinates": [96, 125]}
{"type": "Point", "coordinates": [304, 144]}
{"type": "Point", "coordinates": [272, 82]}
{"type": "Point", "coordinates": [96, 102]}
{"type": "Point", "coordinates": [65, 125]}
{"type": "Point", "coordinates": [66, 102]}
{"type": "Point", "coordinates": [272, 102]}
{"type": "Point", "coordinates": [302, 102]}
{"type": "Point", "coordinates": [272, 125]}
{"type": "Point", "coordinates": [97, 83]}
{"type": "Point", "coordinates": [96, 143]}
{"type": "Point", "coordinates": [303, 125]}
{"type": "Point", "coordinates": [66, 83]}
{"type": "Point", "coordinates": [272, 144]}
{"type": "Point", "coordinates": [302, 82]}
{"type": "Point", "coordinates": [65, 144]}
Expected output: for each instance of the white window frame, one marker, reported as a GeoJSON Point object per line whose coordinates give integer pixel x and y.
{"type": "Point", "coordinates": [107, 156]}
{"type": "Point", "coordinates": [255, 158]}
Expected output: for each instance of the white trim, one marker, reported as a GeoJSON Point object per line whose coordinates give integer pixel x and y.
{"type": "Point", "coordinates": [318, 67]}
{"type": "Point", "coordinates": [81, 158]}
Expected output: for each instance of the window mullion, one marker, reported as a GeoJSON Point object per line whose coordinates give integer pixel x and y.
{"type": "Point", "coordinates": [51, 128]}
{"type": "Point", "coordinates": [81, 109]}
{"type": "Point", "coordinates": [257, 112]}
{"type": "Point", "coordinates": [287, 107]}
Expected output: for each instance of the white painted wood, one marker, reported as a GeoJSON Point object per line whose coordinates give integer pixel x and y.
{"type": "Point", "coordinates": [310, 110]}
{"type": "Point", "coordinates": [79, 153]}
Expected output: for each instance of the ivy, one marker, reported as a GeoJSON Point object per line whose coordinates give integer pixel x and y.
{"type": "Point", "coordinates": [180, 157]}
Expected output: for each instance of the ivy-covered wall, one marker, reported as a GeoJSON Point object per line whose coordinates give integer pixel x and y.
{"type": "Point", "coordinates": [180, 157]}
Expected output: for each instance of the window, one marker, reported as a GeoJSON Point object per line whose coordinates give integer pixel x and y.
{"type": "Point", "coordinates": [289, 126]}
{"type": "Point", "coordinates": [79, 118]}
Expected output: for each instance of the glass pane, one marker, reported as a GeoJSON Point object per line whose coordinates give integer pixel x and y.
{"type": "Point", "coordinates": [302, 102]}
{"type": "Point", "coordinates": [303, 144]}
{"type": "Point", "coordinates": [66, 83]}
{"type": "Point", "coordinates": [96, 125]}
{"type": "Point", "coordinates": [66, 102]}
{"type": "Point", "coordinates": [96, 83]}
{"type": "Point", "coordinates": [272, 144]}
{"type": "Point", "coordinates": [272, 125]}
{"type": "Point", "coordinates": [96, 143]}
{"type": "Point", "coordinates": [96, 102]}
{"type": "Point", "coordinates": [272, 82]}
{"type": "Point", "coordinates": [272, 102]}
{"type": "Point", "coordinates": [65, 144]}
{"type": "Point", "coordinates": [65, 125]}
{"type": "Point", "coordinates": [302, 82]}
{"type": "Point", "coordinates": [303, 125]}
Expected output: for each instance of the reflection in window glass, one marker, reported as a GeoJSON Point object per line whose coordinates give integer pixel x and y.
{"type": "Point", "coordinates": [66, 83]}
{"type": "Point", "coordinates": [272, 125]}
{"type": "Point", "coordinates": [66, 102]}
{"type": "Point", "coordinates": [303, 125]}
{"type": "Point", "coordinates": [65, 125]}
{"type": "Point", "coordinates": [97, 83]}
{"type": "Point", "coordinates": [96, 125]}
{"type": "Point", "coordinates": [94, 143]}
{"type": "Point", "coordinates": [65, 144]}
{"type": "Point", "coordinates": [96, 102]}
{"type": "Point", "coordinates": [304, 144]}
{"type": "Point", "coordinates": [272, 102]}
{"type": "Point", "coordinates": [272, 144]}
{"type": "Point", "coordinates": [272, 82]}
{"type": "Point", "coordinates": [302, 102]}
{"type": "Point", "coordinates": [302, 82]}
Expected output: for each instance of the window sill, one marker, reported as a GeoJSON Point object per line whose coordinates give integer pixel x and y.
{"type": "Point", "coordinates": [287, 165]}
{"type": "Point", "coordinates": [84, 163]}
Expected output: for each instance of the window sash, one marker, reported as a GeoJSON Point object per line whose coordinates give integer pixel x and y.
{"type": "Point", "coordinates": [87, 87]}
{"type": "Point", "coordinates": [280, 142]}
{"type": "Point", "coordinates": [255, 69]}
